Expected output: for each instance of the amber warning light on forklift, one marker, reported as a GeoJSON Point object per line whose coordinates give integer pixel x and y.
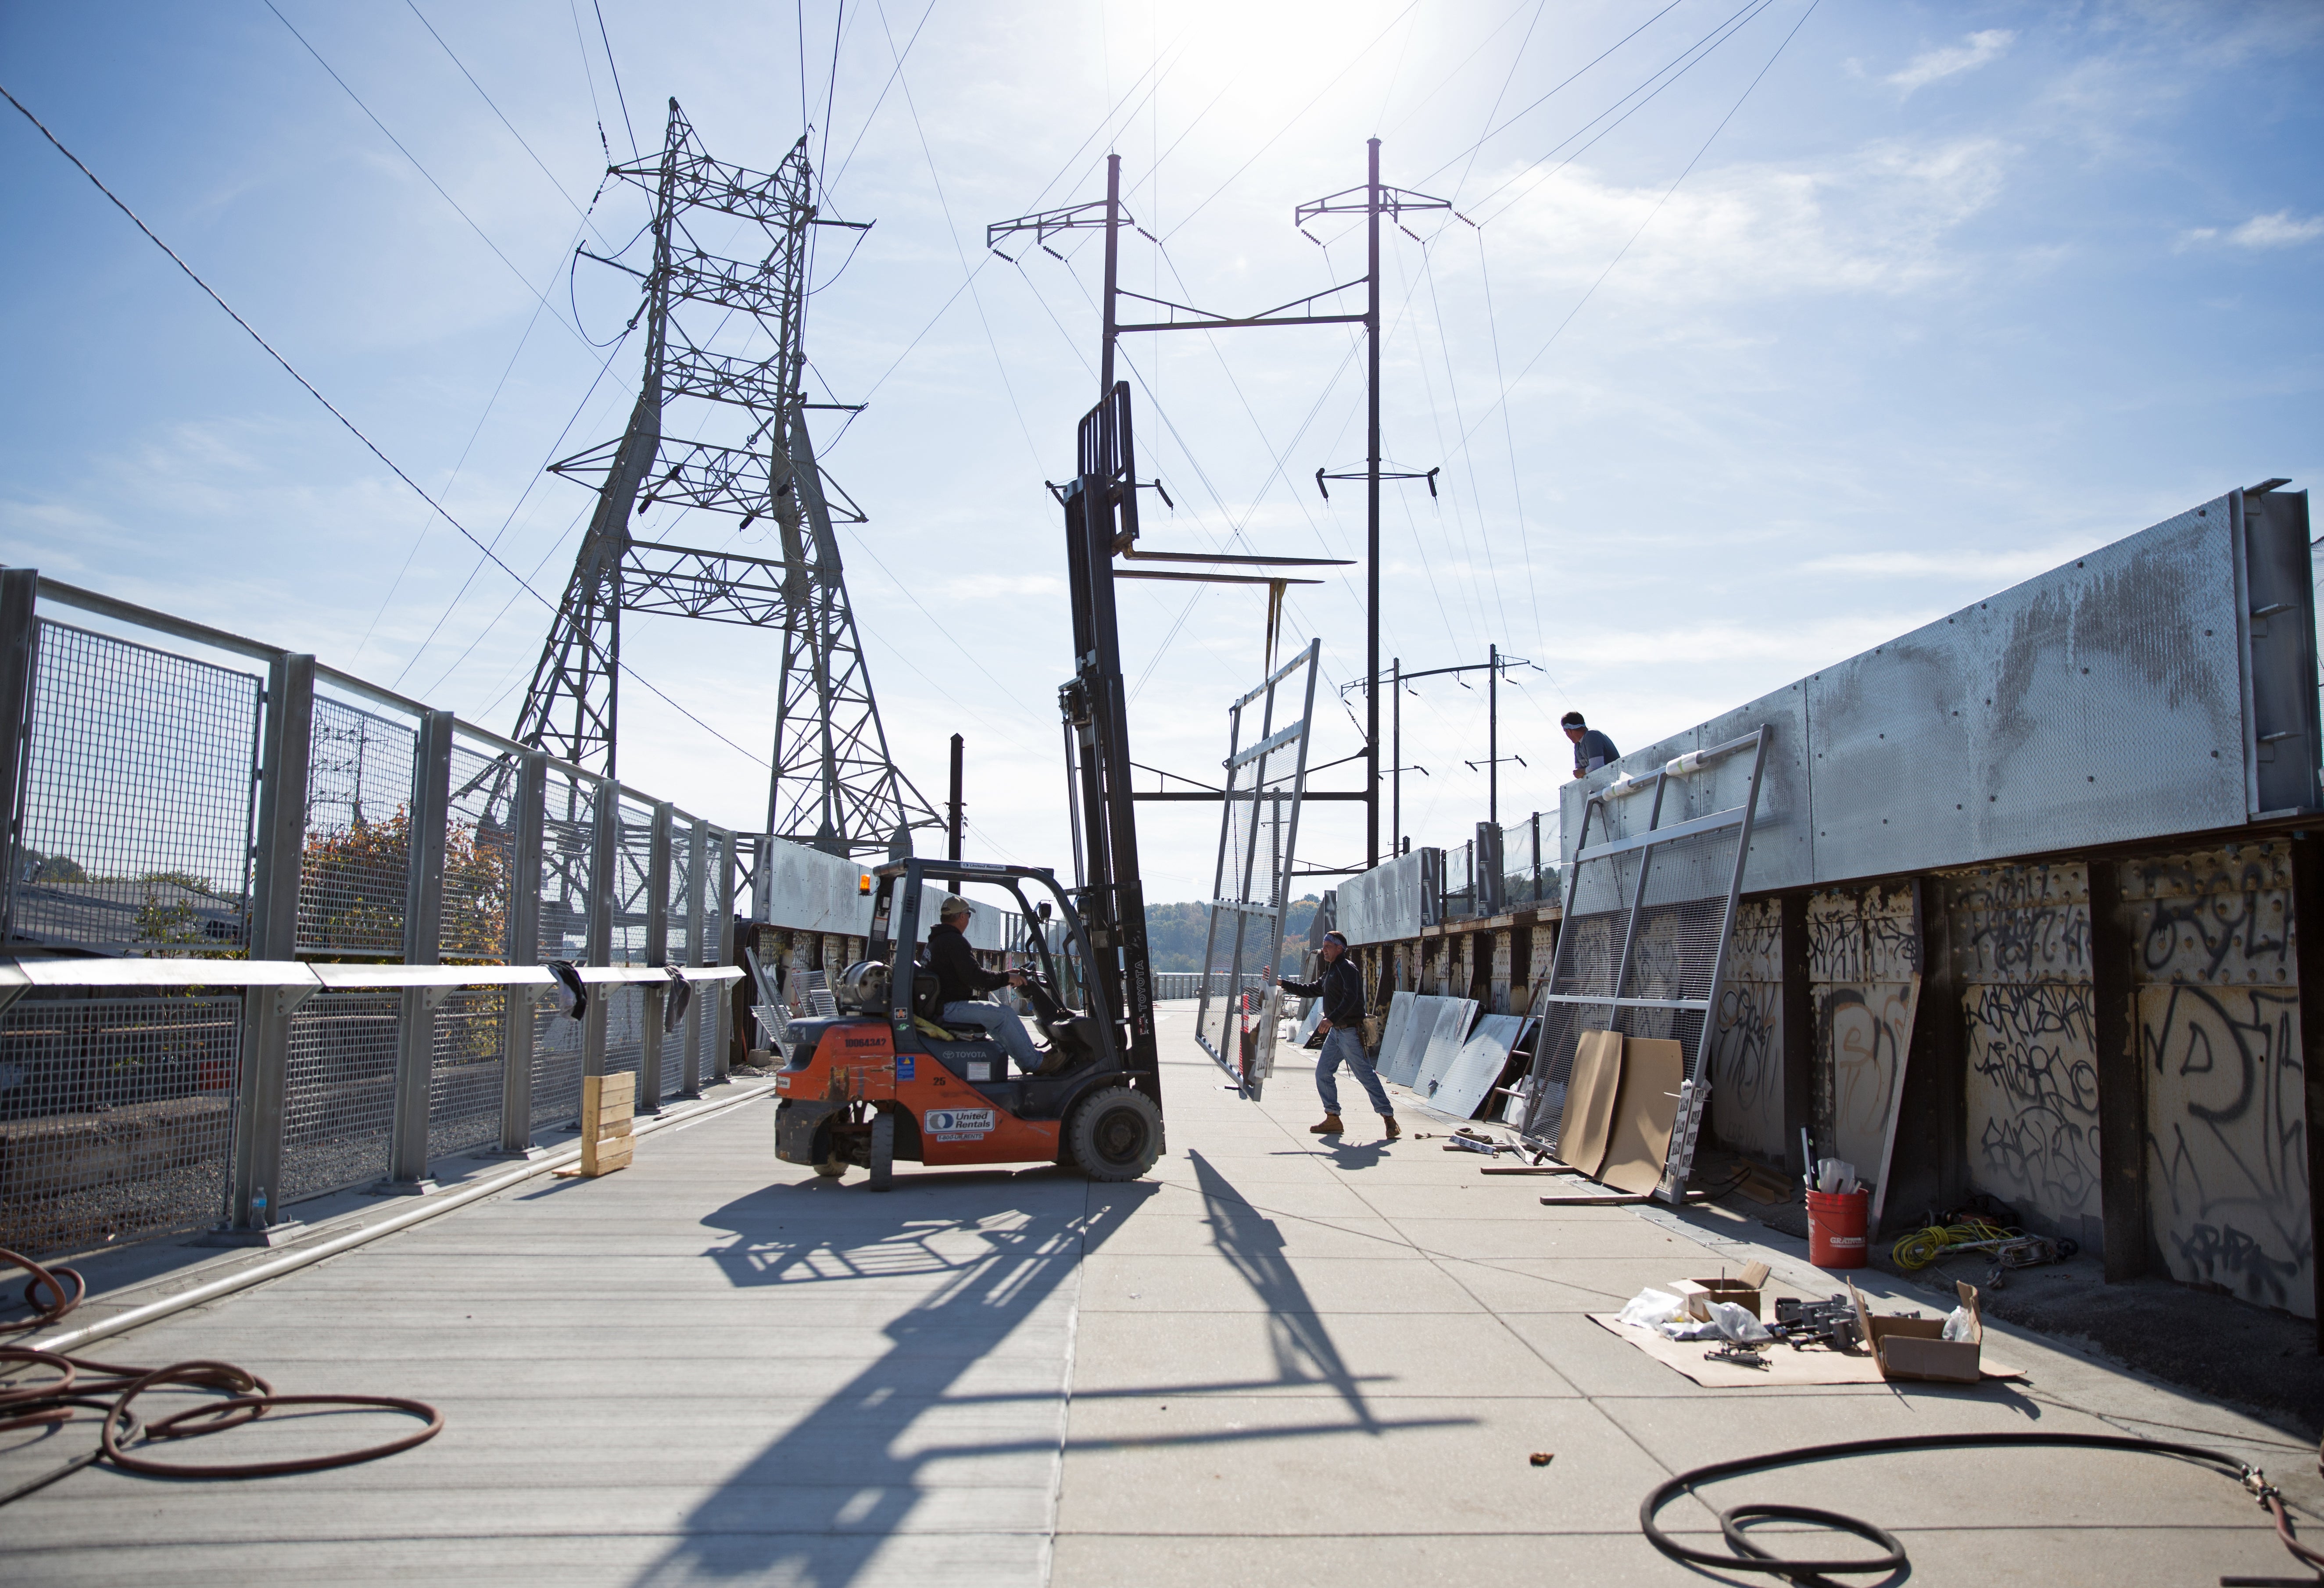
{"type": "Point", "coordinates": [863, 885]}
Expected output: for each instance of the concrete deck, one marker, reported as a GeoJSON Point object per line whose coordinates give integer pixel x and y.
{"type": "Point", "coordinates": [1276, 1361]}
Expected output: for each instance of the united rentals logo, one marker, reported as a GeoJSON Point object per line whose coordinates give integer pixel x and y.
{"type": "Point", "coordinates": [958, 1124]}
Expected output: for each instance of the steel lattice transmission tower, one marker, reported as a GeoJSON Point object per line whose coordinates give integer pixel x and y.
{"type": "Point", "coordinates": [720, 427]}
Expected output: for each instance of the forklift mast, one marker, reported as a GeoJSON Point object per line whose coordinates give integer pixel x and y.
{"type": "Point", "coordinates": [1100, 507]}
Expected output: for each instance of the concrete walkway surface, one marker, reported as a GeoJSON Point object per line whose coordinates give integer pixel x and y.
{"type": "Point", "coordinates": [1277, 1360]}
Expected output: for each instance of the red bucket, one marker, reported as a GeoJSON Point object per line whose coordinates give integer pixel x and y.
{"type": "Point", "coordinates": [1836, 1228]}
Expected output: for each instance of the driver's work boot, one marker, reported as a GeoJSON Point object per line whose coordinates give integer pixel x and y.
{"type": "Point", "coordinates": [1389, 1121]}
{"type": "Point", "coordinates": [1330, 1127]}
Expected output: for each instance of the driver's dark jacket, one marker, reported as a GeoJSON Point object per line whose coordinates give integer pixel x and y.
{"type": "Point", "coordinates": [1341, 988]}
{"type": "Point", "coordinates": [959, 978]}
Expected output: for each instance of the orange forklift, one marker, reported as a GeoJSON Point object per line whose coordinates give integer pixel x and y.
{"type": "Point", "coordinates": [883, 1080]}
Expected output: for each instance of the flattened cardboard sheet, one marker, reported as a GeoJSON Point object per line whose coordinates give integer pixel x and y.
{"type": "Point", "coordinates": [1589, 1092]}
{"type": "Point", "coordinates": [1645, 1110]}
{"type": "Point", "coordinates": [1814, 1365]}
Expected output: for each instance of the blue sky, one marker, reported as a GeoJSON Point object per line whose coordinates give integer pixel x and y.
{"type": "Point", "coordinates": [1954, 292]}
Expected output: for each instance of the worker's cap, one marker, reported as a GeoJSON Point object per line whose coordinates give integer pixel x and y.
{"type": "Point", "coordinates": [954, 905]}
{"type": "Point", "coordinates": [1572, 719]}
{"type": "Point", "coordinates": [1339, 938]}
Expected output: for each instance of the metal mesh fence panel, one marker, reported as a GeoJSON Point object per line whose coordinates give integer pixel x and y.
{"type": "Point", "coordinates": [556, 1071]}
{"type": "Point", "coordinates": [682, 886]}
{"type": "Point", "coordinates": [463, 1075]}
{"type": "Point", "coordinates": [116, 1118]}
{"type": "Point", "coordinates": [566, 832]}
{"type": "Point", "coordinates": [138, 799]}
{"type": "Point", "coordinates": [354, 866]}
{"type": "Point", "coordinates": [632, 864]}
{"type": "Point", "coordinates": [338, 1092]}
{"type": "Point", "coordinates": [625, 1026]}
{"type": "Point", "coordinates": [479, 859]}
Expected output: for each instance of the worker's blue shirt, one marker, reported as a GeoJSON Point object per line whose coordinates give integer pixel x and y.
{"type": "Point", "coordinates": [1593, 751]}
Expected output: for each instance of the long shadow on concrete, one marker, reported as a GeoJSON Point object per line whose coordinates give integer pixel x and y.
{"type": "Point", "coordinates": [816, 1506]}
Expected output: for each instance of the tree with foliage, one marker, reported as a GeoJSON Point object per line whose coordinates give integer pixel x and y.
{"type": "Point", "coordinates": [353, 882]}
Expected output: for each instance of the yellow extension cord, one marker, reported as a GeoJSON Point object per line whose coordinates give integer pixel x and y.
{"type": "Point", "coordinates": [1923, 1247]}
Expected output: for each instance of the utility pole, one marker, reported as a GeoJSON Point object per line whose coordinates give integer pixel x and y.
{"type": "Point", "coordinates": [833, 782]}
{"type": "Point", "coordinates": [1493, 735]}
{"type": "Point", "coordinates": [1378, 200]}
{"type": "Point", "coordinates": [952, 819]}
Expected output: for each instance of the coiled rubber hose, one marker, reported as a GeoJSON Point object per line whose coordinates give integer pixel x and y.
{"type": "Point", "coordinates": [110, 1390]}
{"type": "Point", "coordinates": [1745, 1555]}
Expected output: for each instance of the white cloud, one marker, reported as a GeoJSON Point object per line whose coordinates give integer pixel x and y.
{"type": "Point", "coordinates": [2262, 231]}
{"type": "Point", "coordinates": [2006, 566]}
{"type": "Point", "coordinates": [1969, 54]}
{"type": "Point", "coordinates": [2276, 231]}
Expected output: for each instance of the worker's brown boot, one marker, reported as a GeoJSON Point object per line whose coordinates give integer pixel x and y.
{"type": "Point", "coordinates": [1388, 1119]}
{"type": "Point", "coordinates": [1330, 1127]}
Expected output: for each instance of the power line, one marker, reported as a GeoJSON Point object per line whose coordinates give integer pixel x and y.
{"type": "Point", "coordinates": [422, 170]}
{"type": "Point", "coordinates": [620, 97]}
{"type": "Point", "coordinates": [487, 98]}
{"type": "Point", "coordinates": [350, 425]}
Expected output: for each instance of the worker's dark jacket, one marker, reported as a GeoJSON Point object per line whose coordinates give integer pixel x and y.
{"type": "Point", "coordinates": [1341, 988]}
{"type": "Point", "coordinates": [962, 979]}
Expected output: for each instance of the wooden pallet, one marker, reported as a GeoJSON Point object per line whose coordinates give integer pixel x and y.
{"type": "Point", "coordinates": [608, 1110]}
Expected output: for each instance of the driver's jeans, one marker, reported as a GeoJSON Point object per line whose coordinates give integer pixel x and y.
{"type": "Point", "coordinates": [1345, 1045]}
{"type": "Point", "coordinates": [1003, 1023]}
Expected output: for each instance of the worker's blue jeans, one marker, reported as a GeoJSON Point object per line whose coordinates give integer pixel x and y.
{"type": "Point", "coordinates": [1003, 1023]}
{"type": "Point", "coordinates": [1345, 1044]}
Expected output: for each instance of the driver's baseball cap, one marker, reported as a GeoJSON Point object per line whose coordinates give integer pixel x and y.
{"type": "Point", "coordinates": [954, 905]}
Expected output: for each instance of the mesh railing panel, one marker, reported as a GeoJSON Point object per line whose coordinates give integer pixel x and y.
{"type": "Point", "coordinates": [463, 1075]}
{"type": "Point", "coordinates": [625, 1026]}
{"type": "Point", "coordinates": [479, 859]}
{"type": "Point", "coordinates": [567, 827]}
{"type": "Point", "coordinates": [116, 1118]}
{"type": "Point", "coordinates": [338, 1092]}
{"type": "Point", "coordinates": [682, 884]}
{"type": "Point", "coordinates": [633, 870]}
{"type": "Point", "coordinates": [354, 865]}
{"type": "Point", "coordinates": [556, 1071]}
{"type": "Point", "coordinates": [139, 797]}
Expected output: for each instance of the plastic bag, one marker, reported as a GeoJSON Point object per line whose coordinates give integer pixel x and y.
{"type": "Point", "coordinates": [1651, 1306]}
{"type": "Point", "coordinates": [1735, 1323]}
{"type": "Point", "coordinates": [1960, 1325]}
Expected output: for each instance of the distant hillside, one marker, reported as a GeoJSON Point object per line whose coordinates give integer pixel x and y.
{"type": "Point", "coordinates": [1174, 933]}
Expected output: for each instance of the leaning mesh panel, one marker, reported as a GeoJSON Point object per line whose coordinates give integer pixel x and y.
{"type": "Point", "coordinates": [116, 1117]}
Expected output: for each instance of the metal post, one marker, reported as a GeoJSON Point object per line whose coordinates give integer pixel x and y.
{"type": "Point", "coordinates": [1113, 275]}
{"type": "Point", "coordinates": [650, 1065]}
{"type": "Point", "coordinates": [722, 1039]}
{"type": "Point", "coordinates": [19, 633]}
{"type": "Point", "coordinates": [762, 877]}
{"type": "Point", "coordinates": [698, 850]}
{"type": "Point", "coordinates": [1493, 735]}
{"type": "Point", "coordinates": [955, 813]}
{"type": "Point", "coordinates": [525, 815]}
{"type": "Point", "coordinates": [1396, 756]}
{"type": "Point", "coordinates": [605, 857]}
{"type": "Point", "coordinates": [423, 919]}
{"type": "Point", "coordinates": [1371, 506]}
{"type": "Point", "coordinates": [253, 1198]}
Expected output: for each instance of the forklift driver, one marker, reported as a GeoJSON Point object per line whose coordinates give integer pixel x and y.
{"type": "Point", "coordinates": [962, 983]}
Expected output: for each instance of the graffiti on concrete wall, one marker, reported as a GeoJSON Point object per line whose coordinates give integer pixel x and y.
{"type": "Point", "coordinates": [2033, 1096]}
{"type": "Point", "coordinates": [1747, 1039]}
{"type": "Point", "coordinates": [2020, 942]}
{"type": "Point", "coordinates": [2218, 1042]}
{"type": "Point", "coordinates": [1864, 963]}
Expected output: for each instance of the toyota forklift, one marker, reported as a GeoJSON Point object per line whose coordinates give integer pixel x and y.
{"type": "Point", "coordinates": [883, 1080]}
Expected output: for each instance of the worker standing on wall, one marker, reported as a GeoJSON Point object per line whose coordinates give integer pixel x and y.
{"type": "Point", "coordinates": [1592, 749]}
{"type": "Point", "coordinates": [1341, 989]}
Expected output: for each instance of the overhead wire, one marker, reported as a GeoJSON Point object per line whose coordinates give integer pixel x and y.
{"type": "Point", "coordinates": [496, 110]}
{"type": "Point", "coordinates": [350, 426]}
{"type": "Point", "coordinates": [615, 68]}
{"type": "Point", "coordinates": [422, 170]}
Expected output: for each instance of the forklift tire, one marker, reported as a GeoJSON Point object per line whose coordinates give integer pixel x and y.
{"type": "Point", "coordinates": [883, 1151]}
{"type": "Point", "coordinates": [1116, 1135]}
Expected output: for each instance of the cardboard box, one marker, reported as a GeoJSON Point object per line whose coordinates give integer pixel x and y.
{"type": "Point", "coordinates": [1744, 1292]}
{"type": "Point", "coordinates": [1916, 1348]}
